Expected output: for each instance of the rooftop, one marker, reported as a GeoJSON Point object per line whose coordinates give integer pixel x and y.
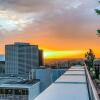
{"type": "Point", "coordinates": [18, 83]}
{"type": "Point", "coordinates": [21, 43]}
{"type": "Point", "coordinates": [72, 85]}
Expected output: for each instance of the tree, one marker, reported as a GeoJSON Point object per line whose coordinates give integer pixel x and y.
{"type": "Point", "coordinates": [98, 12]}
{"type": "Point", "coordinates": [90, 57]}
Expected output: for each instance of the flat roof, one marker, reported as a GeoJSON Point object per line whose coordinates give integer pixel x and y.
{"type": "Point", "coordinates": [65, 92]}
{"type": "Point", "coordinates": [75, 72]}
{"type": "Point", "coordinates": [70, 79]}
{"type": "Point", "coordinates": [16, 83]}
{"type": "Point", "coordinates": [15, 86]}
{"type": "Point", "coordinates": [71, 85]}
{"type": "Point", "coordinates": [76, 69]}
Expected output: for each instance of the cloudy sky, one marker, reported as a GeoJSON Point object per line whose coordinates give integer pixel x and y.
{"type": "Point", "coordinates": [56, 25]}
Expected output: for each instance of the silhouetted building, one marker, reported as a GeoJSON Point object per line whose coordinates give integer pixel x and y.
{"type": "Point", "coordinates": [41, 61]}
{"type": "Point", "coordinates": [2, 67]}
{"type": "Point", "coordinates": [20, 58]}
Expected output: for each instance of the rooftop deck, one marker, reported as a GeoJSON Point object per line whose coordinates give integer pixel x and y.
{"type": "Point", "coordinates": [72, 85]}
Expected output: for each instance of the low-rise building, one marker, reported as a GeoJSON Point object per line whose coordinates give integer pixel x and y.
{"type": "Point", "coordinates": [2, 67]}
{"type": "Point", "coordinates": [46, 76]}
{"type": "Point", "coordinates": [17, 89]}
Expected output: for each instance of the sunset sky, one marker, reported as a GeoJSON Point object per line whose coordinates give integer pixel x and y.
{"type": "Point", "coordinates": [62, 28]}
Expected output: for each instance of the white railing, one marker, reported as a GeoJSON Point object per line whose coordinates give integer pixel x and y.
{"type": "Point", "coordinates": [92, 90]}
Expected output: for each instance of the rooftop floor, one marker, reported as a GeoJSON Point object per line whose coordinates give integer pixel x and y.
{"type": "Point", "coordinates": [72, 85]}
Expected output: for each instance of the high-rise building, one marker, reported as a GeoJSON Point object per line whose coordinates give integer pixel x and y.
{"type": "Point", "coordinates": [41, 62]}
{"type": "Point", "coordinates": [20, 58]}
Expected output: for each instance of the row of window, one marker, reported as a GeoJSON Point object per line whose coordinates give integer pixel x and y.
{"type": "Point", "coordinates": [14, 91]}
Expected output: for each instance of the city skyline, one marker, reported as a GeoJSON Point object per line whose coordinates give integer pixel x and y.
{"type": "Point", "coordinates": [51, 25]}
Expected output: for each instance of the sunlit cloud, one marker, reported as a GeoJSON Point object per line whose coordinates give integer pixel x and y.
{"type": "Point", "coordinates": [68, 4]}
{"type": "Point", "coordinates": [14, 21]}
{"type": "Point", "coordinates": [53, 24]}
{"type": "Point", "coordinates": [75, 4]}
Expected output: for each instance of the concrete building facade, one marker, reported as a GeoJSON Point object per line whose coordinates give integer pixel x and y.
{"type": "Point", "coordinates": [15, 89]}
{"type": "Point", "coordinates": [46, 76]}
{"type": "Point", "coordinates": [20, 58]}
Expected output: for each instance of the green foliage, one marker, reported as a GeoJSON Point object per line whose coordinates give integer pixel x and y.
{"type": "Point", "coordinates": [90, 57]}
{"type": "Point", "coordinates": [97, 11]}
{"type": "Point", "coordinates": [98, 31]}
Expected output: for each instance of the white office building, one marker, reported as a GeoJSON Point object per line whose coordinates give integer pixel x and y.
{"type": "Point", "coordinates": [20, 58]}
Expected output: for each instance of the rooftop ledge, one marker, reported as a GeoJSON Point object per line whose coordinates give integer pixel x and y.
{"type": "Point", "coordinates": [74, 84]}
